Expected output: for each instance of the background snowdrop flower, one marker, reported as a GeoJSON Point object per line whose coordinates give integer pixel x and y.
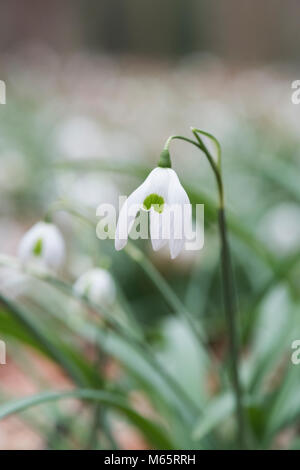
{"type": "Point", "coordinates": [80, 137]}
{"type": "Point", "coordinates": [43, 243]}
{"type": "Point", "coordinates": [97, 285]}
{"type": "Point", "coordinates": [170, 211]}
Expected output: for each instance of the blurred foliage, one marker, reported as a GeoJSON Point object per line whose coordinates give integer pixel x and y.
{"type": "Point", "coordinates": [86, 141]}
{"type": "Point", "coordinates": [250, 31]}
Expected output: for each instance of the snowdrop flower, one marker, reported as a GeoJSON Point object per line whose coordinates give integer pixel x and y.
{"type": "Point", "coordinates": [160, 194]}
{"type": "Point", "coordinates": [97, 285]}
{"type": "Point", "coordinates": [43, 243]}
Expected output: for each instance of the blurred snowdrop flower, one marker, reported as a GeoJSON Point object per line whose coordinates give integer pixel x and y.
{"type": "Point", "coordinates": [123, 146]}
{"type": "Point", "coordinates": [170, 211]}
{"type": "Point", "coordinates": [98, 286]}
{"type": "Point", "coordinates": [281, 227]}
{"type": "Point", "coordinates": [43, 244]}
{"type": "Point", "coordinates": [89, 190]}
{"type": "Point", "coordinates": [80, 137]}
{"type": "Point", "coordinates": [14, 173]}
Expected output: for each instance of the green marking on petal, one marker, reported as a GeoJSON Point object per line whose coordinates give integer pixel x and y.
{"type": "Point", "coordinates": [87, 289]}
{"type": "Point", "coordinates": [155, 201]}
{"type": "Point", "coordinates": [37, 249]}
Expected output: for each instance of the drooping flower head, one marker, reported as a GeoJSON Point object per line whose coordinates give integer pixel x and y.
{"type": "Point", "coordinates": [97, 285]}
{"type": "Point", "coordinates": [170, 211]}
{"type": "Point", "coordinates": [44, 244]}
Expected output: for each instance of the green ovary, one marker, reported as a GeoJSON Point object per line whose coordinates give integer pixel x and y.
{"type": "Point", "coordinates": [155, 201]}
{"type": "Point", "coordinates": [37, 249]}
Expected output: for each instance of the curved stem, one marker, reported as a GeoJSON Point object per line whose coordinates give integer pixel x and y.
{"type": "Point", "coordinates": [216, 168]}
{"type": "Point", "coordinates": [200, 145]}
{"type": "Point", "coordinates": [230, 304]}
{"type": "Point", "coordinates": [213, 139]}
{"type": "Point", "coordinates": [178, 137]}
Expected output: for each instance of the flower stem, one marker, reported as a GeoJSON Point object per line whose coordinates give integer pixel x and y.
{"type": "Point", "coordinates": [227, 276]}
{"type": "Point", "coordinates": [230, 312]}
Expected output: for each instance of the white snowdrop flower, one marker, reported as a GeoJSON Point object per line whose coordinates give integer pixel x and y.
{"type": "Point", "coordinates": [44, 244]}
{"type": "Point", "coordinates": [170, 211]}
{"type": "Point", "coordinates": [97, 285]}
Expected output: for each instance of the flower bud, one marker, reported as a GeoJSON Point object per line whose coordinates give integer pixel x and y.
{"type": "Point", "coordinates": [97, 285]}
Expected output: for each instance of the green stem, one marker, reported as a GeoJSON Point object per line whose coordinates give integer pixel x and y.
{"type": "Point", "coordinates": [230, 312]}
{"type": "Point", "coordinates": [215, 167]}
{"type": "Point", "coordinates": [227, 277]}
{"type": "Point", "coordinates": [200, 145]}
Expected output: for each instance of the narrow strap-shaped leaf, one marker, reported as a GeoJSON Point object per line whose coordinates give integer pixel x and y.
{"type": "Point", "coordinates": [216, 412]}
{"type": "Point", "coordinates": [48, 346]}
{"type": "Point", "coordinates": [156, 435]}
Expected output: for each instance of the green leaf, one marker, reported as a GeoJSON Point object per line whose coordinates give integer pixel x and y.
{"type": "Point", "coordinates": [53, 349]}
{"type": "Point", "coordinates": [216, 412]}
{"type": "Point", "coordinates": [153, 432]}
{"type": "Point", "coordinates": [125, 342]}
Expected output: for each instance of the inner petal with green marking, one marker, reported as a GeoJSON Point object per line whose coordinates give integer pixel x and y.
{"type": "Point", "coordinates": [155, 201]}
{"type": "Point", "coordinates": [37, 249]}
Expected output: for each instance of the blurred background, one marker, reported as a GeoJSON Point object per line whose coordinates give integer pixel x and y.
{"type": "Point", "coordinates": [93, 90]}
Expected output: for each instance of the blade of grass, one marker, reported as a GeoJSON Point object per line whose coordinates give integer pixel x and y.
{"type": "Point", "coordinates": [152, 431]}
{"type": "Point", "coordinates": [141, 348]}
{"type": "Point", "coordinates": [48, 346]}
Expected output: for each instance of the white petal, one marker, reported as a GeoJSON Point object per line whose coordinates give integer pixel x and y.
{"type": "Point", "coordinates": [128, 214]}
{"type": "Point", "coordinates": [156, 230]}
{"type": "Point", "coordinates": [28, 241]}
{"type": "Point", "coordinates": [159, 180]}
{"type": "Point", "coordinates": [98, 285]}
{"type": "Point", "coordinates": [176, 192]}
{"type": "Point", "coordinates": [181, 217]}
{"type": "Point", "coordinates": [159, 184]}
{"type": "Point", "coordinates": [177, 238]}
{"type": "Point", "coordinates": [54, 247]}
{"type": "Point", "coordinates": [176, 247]}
